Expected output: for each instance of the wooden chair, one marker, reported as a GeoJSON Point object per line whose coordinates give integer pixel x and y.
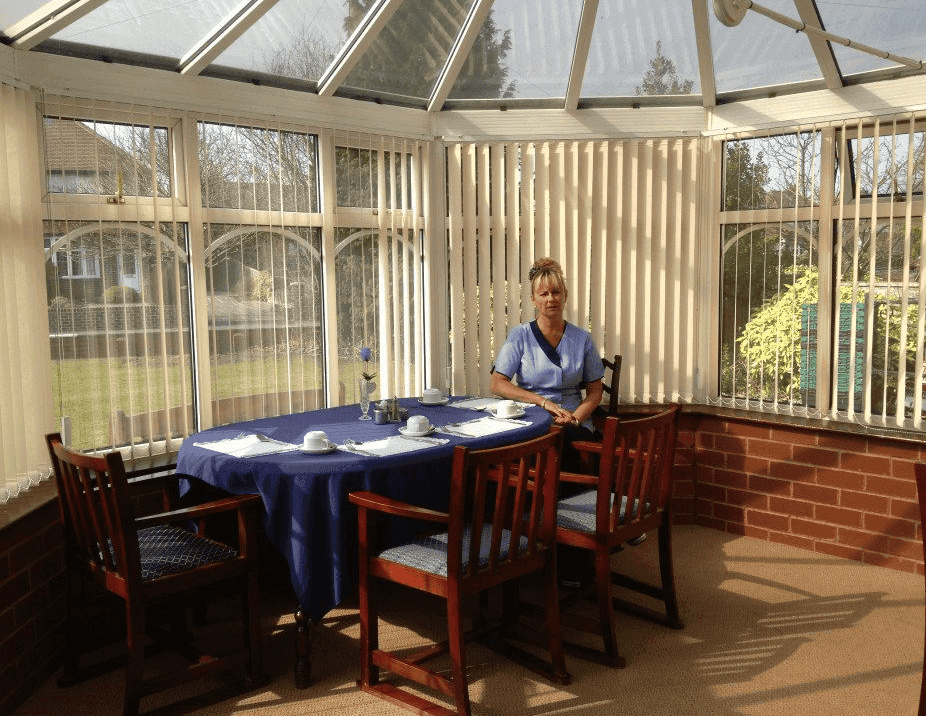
{"type": "Point", "coordinates": [628, 498]}
{"type": "Point", "coordinates": [588, 461]}
{"type": "Point", "coordinates": [612, 387]}
{"type": "Point", "coordinates": [920, 471]}
{"type": "Point", "coordinates": [507, 496]}
{"type": "Point", "coordinates": [149, 562]}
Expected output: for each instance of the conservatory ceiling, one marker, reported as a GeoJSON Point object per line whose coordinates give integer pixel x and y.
{"type": "Point", "coordinates": [450, 54]}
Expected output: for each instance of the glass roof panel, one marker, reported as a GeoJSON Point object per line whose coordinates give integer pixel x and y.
{"type": "Point", "coordinates": [395, 63]}
{"type": "Point", "coordinates": [518, 55]}
{"type": "Point", "coordinates": [168, 28]}
{"type": "Point", "coordinates": [296, 39]}
{"type": "Point", "coordinates": [620, 53]}
{"type": "Point", "coordinates": [12, 11]}
{"type": "Point", "coordinates": [524, 49]}
{"type": "Point", "coordinates": [896, 26]}
{"type": "Point", "coordinates": [760, 52]}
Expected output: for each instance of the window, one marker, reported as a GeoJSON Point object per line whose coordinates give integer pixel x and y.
{"type": "Point", "coordinates": [246, 167]}
{"type": "Point", "coordinates": [824, 316]}
{"type": "Point", "coordinates": [119, 278]}
{"type": "Point", "coordinates": [107, 158]}
{"type": "Point", "coordinates": [265, 320]}
{"type": "Point", "coordinates": [769, 289]}
{"type": "Point", "coordinates": [76, 263]}
{"type": "Point", "coordinates": [269, 332]}
{"type": "Point", "coordinates": [378, 306]}
{"type": "Point", "coordinates": [358, 177]}
{"type": "Point", "coordinates": [121, 354]}
{"type": "Point", "coordinates": [378, 247]}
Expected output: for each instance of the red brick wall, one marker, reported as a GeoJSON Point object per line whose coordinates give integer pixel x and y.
{"type": "Point", "coordinates": [32, 604]}
{"type": "Point", "coordinates": [841, 494]}
{"type": "Point", "coordinates": [683, 476]}
{"type": "Point", "coordinates": [32, 591]}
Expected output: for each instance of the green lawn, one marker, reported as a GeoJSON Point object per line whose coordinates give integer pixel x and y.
{"type": "Point", "coordinates": [89, 391]}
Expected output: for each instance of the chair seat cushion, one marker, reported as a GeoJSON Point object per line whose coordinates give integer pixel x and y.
{"type": "Point", "coordinates": [166, 549]}
{"type": "Point", "coordinates": [429, 554]}
{"type": "Point", "coordinates": [578, 512]}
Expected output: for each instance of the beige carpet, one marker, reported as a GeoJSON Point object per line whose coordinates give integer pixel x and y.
{"type": "Point", "coordinates": [769, 630]}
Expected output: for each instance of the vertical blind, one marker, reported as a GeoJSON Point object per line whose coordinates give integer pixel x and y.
{"type": "Point", "coordinates": [379, 233]}
{"type": "Point", "coordinates": [822, 295]}
{"type": "Point", "coordinates": [312, 246]}
{"type": "Point", "coordinates": [620, 216]}
{"type": "Point", "coordinates": [877, 277]}
{"type": "Point", "coordinates": [25, 409]}
{"type": "Point", "coordinates": [262, 237]}
{"type": "Point", "coordinates": [116, 271]}
{"type": "Point", "coordinates": [314, 243]}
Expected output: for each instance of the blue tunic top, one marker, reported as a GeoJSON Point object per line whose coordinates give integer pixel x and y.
{"type": "Point", "coordinates": [528, 357]}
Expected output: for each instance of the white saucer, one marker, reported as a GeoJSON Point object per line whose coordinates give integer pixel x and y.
{"type": "Point", "coordinates": [319, 451]}
{"type": "Point", "coordinates": [491, 411]}
{"type": "Point", "coordinates": [442, 401]}
{"type": "Point", "coordinates": [408, 433]}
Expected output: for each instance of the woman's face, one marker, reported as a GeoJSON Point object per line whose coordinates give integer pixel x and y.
{"type": "Point", "coordinates": [549, 298]}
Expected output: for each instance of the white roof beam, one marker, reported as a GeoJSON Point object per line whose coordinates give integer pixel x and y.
{"type": "Point", "coordinates": [223, 35]}
{"type": "Point", "coordinates": [822, 49]}
{"type": "Point", "coordinates": [458, 53]}
{"type": "Point", "coordinates": [52, 17]}
{"type": "Point", "coordinates": [366, 32]}
{"type": "Point", "coordinates": [580, 58]}
{"type": "Point", "coordinates": [705, 53]}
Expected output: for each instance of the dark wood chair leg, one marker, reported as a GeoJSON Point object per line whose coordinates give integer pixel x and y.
{"type": "Point", "coordinates": [134, 667]}
{"type": "Point", "coordinates": [554, 632]}
{"type": "Point", "coordinates": [606, 606]}
{"type": "Point", "coordinates": [457, 647]}
{"type": "Point", "coordinates": [667, 575]}
{"type": "Point", "coordinates": [302, 671]}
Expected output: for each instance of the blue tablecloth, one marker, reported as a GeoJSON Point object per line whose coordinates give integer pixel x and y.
{"type": "Point", "coordinates": [308, 517]}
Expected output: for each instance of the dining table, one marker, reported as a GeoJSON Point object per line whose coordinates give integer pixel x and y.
{"type": "Point", "coordinates": [307, 515]}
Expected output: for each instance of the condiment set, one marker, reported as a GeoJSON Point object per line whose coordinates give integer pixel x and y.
{"type": "Point", "coordinates": [389, 411]}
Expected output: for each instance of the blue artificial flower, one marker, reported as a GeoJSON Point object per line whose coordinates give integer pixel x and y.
{"type": "Point", "coordinates": [365, 355]}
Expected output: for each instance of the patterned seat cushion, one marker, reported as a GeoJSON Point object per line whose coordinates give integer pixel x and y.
{"type": "Point", "coordinates": [429, 554]}
{"type": "Point", "coordinates": [578, 512]}
{"type": "Point", "coordinates": [167, 550]}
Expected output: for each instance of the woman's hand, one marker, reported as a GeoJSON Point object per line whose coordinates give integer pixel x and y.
{"type": "Point", "coordinates": [502, 385]}
{"type": "Point", "coordinates": [561, 416]}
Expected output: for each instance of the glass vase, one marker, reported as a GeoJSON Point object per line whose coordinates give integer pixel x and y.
{"type": "Point", "coordinates": [366, 387]}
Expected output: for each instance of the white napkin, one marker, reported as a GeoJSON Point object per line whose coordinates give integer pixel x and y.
{"type": "Point", "coordinates": [482, 426]}
{"type": "Point", "coordinates": [482, 403]}
{"type": "Point", "coordinates": [393, 445]}
{"type": "Point", "coordinates": [247, 446]}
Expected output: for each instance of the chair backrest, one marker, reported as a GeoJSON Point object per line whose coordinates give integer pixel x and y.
{"type": "Point", "coordinates": [96, 512]}
{"type": "Point", "coordinates": [612, 386]}
{"type": "Point", "coordinates": [636, 467]}
{"type": "Point", "coordinates": [510, 488]}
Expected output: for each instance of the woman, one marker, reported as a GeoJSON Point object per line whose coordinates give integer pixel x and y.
{"type": "Point", "coordinates": [552, 361]}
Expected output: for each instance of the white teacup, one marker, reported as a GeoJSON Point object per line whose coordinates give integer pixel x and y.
{"type": "Point", "coordinates": [418, 424]}
{"type": "Point", "coordinates": [506, 408]}
{"type": "Point", "coordinates": [431, 395]}
{"type": "Point", "coordinates": [315, 440]}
